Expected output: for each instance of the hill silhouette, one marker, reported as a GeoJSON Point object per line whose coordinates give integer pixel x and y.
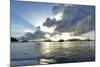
{"type": "Point", "coordinates": [13, 39]}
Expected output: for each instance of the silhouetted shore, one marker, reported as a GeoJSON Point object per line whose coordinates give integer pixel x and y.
{"type": "Point", "coordinates": [61, 40]}
{"type": "Point", "coordinates": [14, 39]}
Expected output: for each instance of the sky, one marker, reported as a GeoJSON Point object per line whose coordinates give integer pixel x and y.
{"type": "Point", "coordinates": [35, 20]}
{"type": "Point", "coordinates": [27, 15]}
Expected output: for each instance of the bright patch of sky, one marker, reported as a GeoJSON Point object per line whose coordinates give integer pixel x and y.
{"type": "Point", "coordinates": [90, 35]}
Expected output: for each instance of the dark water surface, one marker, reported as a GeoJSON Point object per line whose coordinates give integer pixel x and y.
{"type": "Point", "coordinates": [32, 53]}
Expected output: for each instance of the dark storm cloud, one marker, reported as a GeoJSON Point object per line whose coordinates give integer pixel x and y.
{"type": "Point", "coordinates": [77, 18]}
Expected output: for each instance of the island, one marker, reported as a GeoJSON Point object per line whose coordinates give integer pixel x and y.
{"type": "Point", "coordinates": [13, 39]}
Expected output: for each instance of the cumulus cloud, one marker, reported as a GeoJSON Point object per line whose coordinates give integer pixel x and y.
{"type": "Point", "coordinates": [49, 22]}
{"type": "Point", "coordinates": [76, 18]}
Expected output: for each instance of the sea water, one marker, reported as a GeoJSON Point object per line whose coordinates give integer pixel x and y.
{"type": "Point", "coordinates": [33, 53]}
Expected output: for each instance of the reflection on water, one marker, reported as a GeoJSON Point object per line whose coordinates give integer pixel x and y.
{"type": "Point", "coordinates": [48, 47]}
{"type": "Point", "coordinates": [47, 61]}
{"type": "Point", "coordinates": [66, 49]}
{"type": "Point", "coordinates": [30, 53]}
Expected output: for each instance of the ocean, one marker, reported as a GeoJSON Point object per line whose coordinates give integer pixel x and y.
{"type": "Point", "coordinates": [33, 53]}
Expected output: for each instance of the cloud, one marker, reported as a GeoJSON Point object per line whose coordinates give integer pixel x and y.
{"type": "Point", "coordinates": [83, 26]}
{"type": "Point", "coordinates": [76, 18]}
{"type": "Point", "coordinates": [58, 9]}
{"type": "Point", "coordinates": [49, 22]}
{"type": "Point", "coordinates": [33, 36]}
{"type": "Point", "coordinates": [28, 30]}
{"type": "Point", "coordinates": [64, 24]}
